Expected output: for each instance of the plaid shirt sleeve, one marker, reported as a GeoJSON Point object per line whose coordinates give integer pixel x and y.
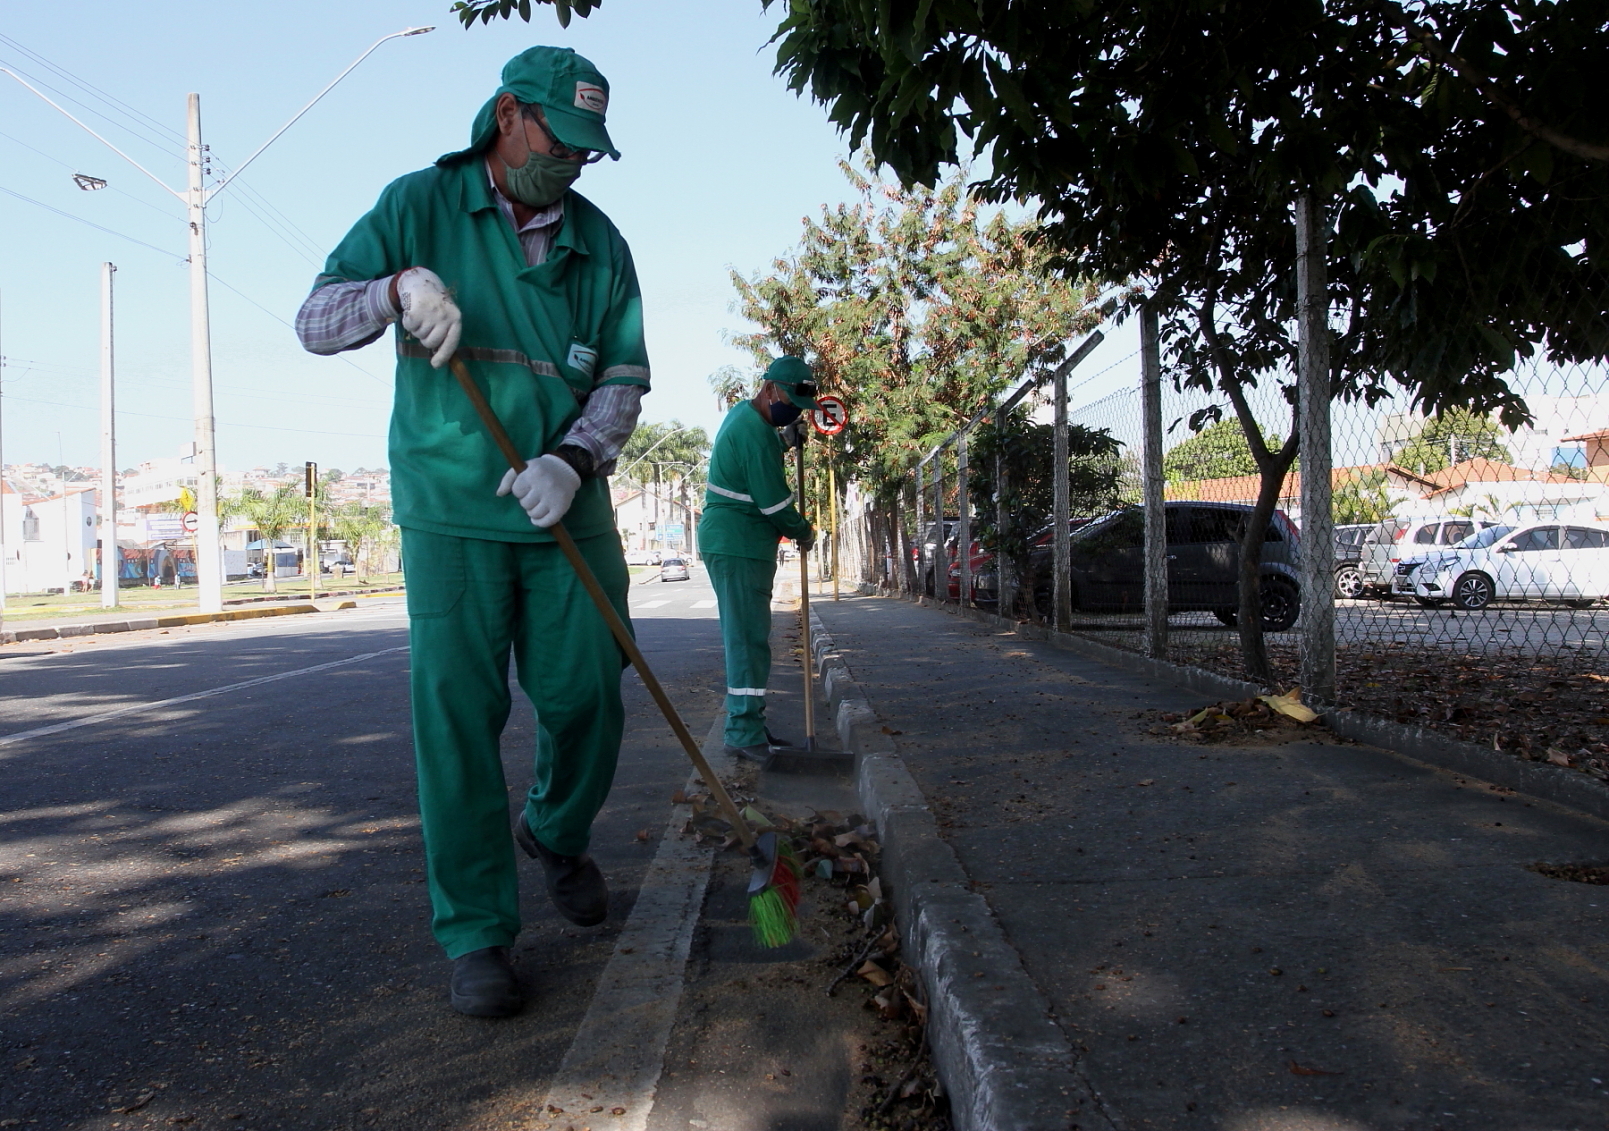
{"type": "Point", "coordinates": [345, 315]}
{"type": "Point", "coordinates": [607, 421]}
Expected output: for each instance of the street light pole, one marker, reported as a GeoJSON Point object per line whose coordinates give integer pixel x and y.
{"type": "Point", "coordinates": [209, 566]}
{"type": "Point", "coordinates": [109, 556]}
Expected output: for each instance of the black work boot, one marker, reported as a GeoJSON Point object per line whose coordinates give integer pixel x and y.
{"type": "Point", "coordinates": [484, 984]}
{"type": "Point", "coordinates": [575, 885]}
{"type": "Point", "coordinates": [759, 752]}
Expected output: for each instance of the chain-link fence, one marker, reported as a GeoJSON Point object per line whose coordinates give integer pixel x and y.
{"type": "Point", "coordinates": [1470, 587]}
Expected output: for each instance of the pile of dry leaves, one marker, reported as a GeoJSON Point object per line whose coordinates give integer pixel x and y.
{"type": "Point", "coordinates": [1236, 719]}
{"type": "Point", "coordinates": [1539, 708]}
{"type": "Point", "coordinates": [839, 854]}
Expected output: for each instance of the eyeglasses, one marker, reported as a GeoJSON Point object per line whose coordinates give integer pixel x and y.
{"type": "Point", "coordinates": [806, 389]}
{"type": "Point", "coordinates": [557, 148]}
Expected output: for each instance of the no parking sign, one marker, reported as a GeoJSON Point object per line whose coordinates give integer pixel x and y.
{"type": "Point", "coordinates": [831, 417]}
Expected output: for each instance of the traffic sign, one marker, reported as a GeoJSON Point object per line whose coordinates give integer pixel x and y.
{"type": "Point", "coordinates": [192, 522]}
{"type": "Point", "coordinates": [831, 417]}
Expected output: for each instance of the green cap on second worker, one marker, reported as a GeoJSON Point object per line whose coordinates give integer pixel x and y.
{"type": "Point", "coordinates": [573, 95]}
{"type": "Point", "coordinates": [794, 378]}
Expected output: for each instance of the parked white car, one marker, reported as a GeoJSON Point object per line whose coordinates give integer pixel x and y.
{"type": "Point", "coordinates": [1396, 540]}
{"type": "Point", "coordinates": [1536, 561]}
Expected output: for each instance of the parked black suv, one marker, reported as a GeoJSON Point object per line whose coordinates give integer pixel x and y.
{"type": "Point", "coordinates": [1108, 563]}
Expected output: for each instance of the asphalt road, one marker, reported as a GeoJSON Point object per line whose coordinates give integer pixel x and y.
{"type": "Point", "coordinates": [213, 914]}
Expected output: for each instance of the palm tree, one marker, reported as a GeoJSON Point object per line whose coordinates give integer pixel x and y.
{"type": "Point", "coordinates": [271, 515]}
{"type": "Point", "coordinates": [361, 528]}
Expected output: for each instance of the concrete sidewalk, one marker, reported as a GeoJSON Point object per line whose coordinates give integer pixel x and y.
{"type": "Point", "coordinates": [1308, 936]}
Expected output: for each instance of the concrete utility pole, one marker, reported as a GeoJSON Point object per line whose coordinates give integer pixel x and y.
{"type": "Point", "coordinates": [1156, 520]}
{"type": "Point", "coordinates": [209, 564]}
{"type": "Point", "coordinates": [209, 559]}
{"type": "Point", "coordinates": [1317, 614]}
{"type": "Point", "coordinates": [312, 528]}
{"type": "Point", "coordinates": [110, 560]}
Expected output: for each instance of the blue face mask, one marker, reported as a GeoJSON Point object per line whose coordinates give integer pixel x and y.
{"type": "Point", "coordinates": [784, 413]}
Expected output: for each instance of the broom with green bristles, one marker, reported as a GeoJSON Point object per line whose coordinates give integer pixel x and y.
{"type": "Point", "coordinates": [774, 882]}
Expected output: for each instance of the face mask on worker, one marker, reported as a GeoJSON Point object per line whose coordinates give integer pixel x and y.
{"type": "Point", "coordinates": [542, 179]}
{"type": "Point", "coordinates": [784, 413]}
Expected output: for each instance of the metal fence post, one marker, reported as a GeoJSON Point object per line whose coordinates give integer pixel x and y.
{"type": "Point", "coordinates": [1061, 505]}
{"type": "Point", "coordinates": [1317, 616]}
{"type": "Point", "coordinates": [963, 527]}
{"type": "Point", "coordinates": [921, 529]}
{"type": "Point", "coordinates": [940, 564]}
{"type": "Point", "coordinates": [1005, 574]}
{"type": "Point", "coordinates": [1156, 536]}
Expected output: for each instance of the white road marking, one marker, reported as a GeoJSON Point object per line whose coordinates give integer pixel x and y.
{"type": "Point", "coordinates": [138, 708]}
{"type": "Point", "coordinates": [618, 1053]}
{"type": "Point", "coordinates": [650, 604]}
{"type": "Point", "coordinates": [703, 604]}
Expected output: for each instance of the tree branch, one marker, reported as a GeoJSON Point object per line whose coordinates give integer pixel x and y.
{"type": "Point", "coordinates": [1492, 91]}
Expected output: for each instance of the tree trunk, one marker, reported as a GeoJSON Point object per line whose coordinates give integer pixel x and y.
{"type": "Point", "coordinates": [270, 562]}
{"type": "Point", "coordinates": [1249, 616]}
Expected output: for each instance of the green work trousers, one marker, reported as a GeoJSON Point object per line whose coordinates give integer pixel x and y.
{"type": "Point", "coordinates": [470, 603]}
{"type": "Point", "coordinates": [743, 594]}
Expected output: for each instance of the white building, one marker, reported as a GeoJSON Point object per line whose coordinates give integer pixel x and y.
{"type": "Point", "coordinates": [50, 542]}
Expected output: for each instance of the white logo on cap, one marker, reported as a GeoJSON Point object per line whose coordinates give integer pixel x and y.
{"type": "Point", "coordinates": [590, 97]}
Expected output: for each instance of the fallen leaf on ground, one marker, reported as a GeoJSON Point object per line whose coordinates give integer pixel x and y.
{"type": "Point", "coordinates": [1304, 1070]}
{"type": "Point", "coordinates": [1290, 705]}
{"type": "Point", "coordinates": [874, 973]}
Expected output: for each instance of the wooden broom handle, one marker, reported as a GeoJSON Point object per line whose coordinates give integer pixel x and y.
{"type": "Point", "coordinates": [606, 609]}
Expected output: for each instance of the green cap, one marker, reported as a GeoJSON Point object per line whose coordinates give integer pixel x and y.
{"type": "Point", "coordinates": [788, 373]}
{"type": "Point", "coordinates": [573, 95]}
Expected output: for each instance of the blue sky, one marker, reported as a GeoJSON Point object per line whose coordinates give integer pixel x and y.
{"type": "Point", "coordinates": [721, 163]}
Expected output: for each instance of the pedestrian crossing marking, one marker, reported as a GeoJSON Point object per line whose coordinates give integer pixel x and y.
{"type": "Point", "coordinates": [650, 604]}
{"type": "Point", "coordinates": [703, 604]}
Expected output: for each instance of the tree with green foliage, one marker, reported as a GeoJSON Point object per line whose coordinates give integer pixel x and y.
{"type": "Point", "coordinates": [1451, 437]}
{"type": "Point", "coordinates": [362, 528]}
{"type": "Point", "coordinates": [917, 307]}
{"type": "Point", "coordinates": [271, 514]}
{"type": "Point", "coordinates": [669, 459]}
{"type": "Point", "coordinates": [1464, 184]}
{"type": "Point", "coordinates": [1024, 453]}
{"type": "Point", "coordinates": [1218, 451]}
{"type": "Point", "coordinates": [1362, 498]}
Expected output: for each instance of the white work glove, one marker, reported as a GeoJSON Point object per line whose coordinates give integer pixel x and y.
{"type": "Point", "coordinates": [429, 313]}
{"type": "Point", "coordinates": [545, 489]}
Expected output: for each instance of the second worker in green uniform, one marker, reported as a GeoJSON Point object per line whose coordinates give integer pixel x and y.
{"type": "Point", "coordinates": [748, 508]}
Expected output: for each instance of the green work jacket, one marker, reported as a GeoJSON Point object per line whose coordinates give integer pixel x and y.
{"type": "Point", "coordinates": [747, 503]}
{"type": "Point", "coordinates": [538, 340]}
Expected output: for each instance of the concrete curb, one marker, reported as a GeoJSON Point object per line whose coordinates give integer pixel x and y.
{"type": "Point", "coordinates": [322, 596]}
{"type": "Point", "coordinates": [1005, 1062]}
{"type": "Point", "coordinates": [1539, 780]}
{"type": "Point", "coordinates": [67, 631]}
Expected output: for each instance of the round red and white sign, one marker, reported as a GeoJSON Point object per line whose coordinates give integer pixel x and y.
{"type": "Point", "coordinates": [831, 417]}
{"type": "Point", "coordinates": [192, 522]}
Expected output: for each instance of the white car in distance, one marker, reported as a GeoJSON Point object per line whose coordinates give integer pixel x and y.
{"type": "Point", "coordinates": [1536, 561]}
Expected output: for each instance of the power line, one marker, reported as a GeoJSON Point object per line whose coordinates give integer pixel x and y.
{"type": "Point", "coordinates": [90, 223]}
{"type": "Point", "coordinates": [139, 116]}
{"type": "Point", "coordinates": [186, 419]}
{"type": "Point", "coordinates": [76, 168]}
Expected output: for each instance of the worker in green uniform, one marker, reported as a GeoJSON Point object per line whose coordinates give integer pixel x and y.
{"type": "Point", "coordinates": [490, 254]}
{"type": "Point", "coordinates": [748, 508]}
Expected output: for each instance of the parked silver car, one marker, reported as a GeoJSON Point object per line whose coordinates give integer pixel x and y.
{"type": "Point", "coordinates": [1397, 539]}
